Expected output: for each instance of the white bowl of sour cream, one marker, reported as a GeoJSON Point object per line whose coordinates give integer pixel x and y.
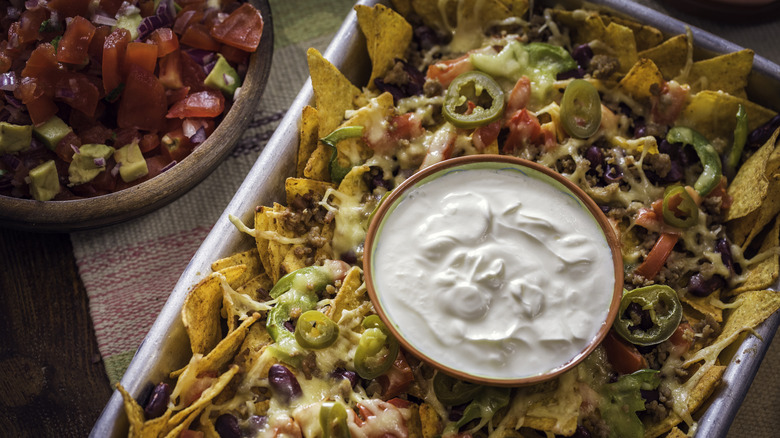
{"type": "Point", "coordinates": [494, 269]}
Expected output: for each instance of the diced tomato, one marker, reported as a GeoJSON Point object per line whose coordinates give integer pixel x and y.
{"type": "Point", "coordinates": [682, 338]}
{"type": "Point", "coordinates": [155, 165]}
{"type": "Point", "coordinates": [143, 103]}
{"type": "Point", "coordinates": [142, 55]}
{"type": "Point", "coordinates": [104, 182]}
{"type": "Point", "coordinates": [38, 99]}
{"type": "Point", "coordinates": [524, 130]}
{"type": "Point", "coordinates": [78, 91]}
{"type": "Point", "coordinates": [125, 136]}
{"type": "Point", "coordinates": [668, 104]}
{"type": "Point", "coordinates": [192, 74]}
{"type": "Point", "coordinates": [173, 96]}
{"type": "Point", "coordinates": [406, 126]}
{"type": "Point", "coordinates": [175, 145]}
{"type": "Point", "coordinates": [197, 36]}
{"type": "Point", "coordinates": [6, 58]}
{"type": "Point", "coordinates": [186, 17]}
{"type": "Point", "coordinates": [113, 55]}
{"type": "Point", "coordinates": [206, 103]}
{"type": "Point", "coordinates": [69, 8]}
{"type": "Point", "coordinates": [146, 7]}
{"type": "Point", "coordinates": [29, 25]}
{"type": "Point", "coordinates": [624, 357]}
{"type": "Point", "coordinates": [485, 135]}
{"type": "Point", "coordinates": [657, 256]}
{"type": "Point", "coordinates": [242, 29]}
{"type": "Point", "coordinates": [519, 96]}
{"type": "Point", "coordinates": [721, 191]}
{"type": "Point", "coordinates": [446, 71]}
{"type": "Point", "coordinates": [397, 379]}
{"type": "Point", "coordinates": [98, 41]}
{"type": "Point", "coordinates": [165, 40]}
{"type": "Point", "coordinates": [96, 134]}
{"type": "Point", "coordinates": [149, 142]}
{"type": "Point", "coordinates": [234, 55]}
{"type": "Point", "coordinates": [111, 7]}
{"type": "Point", "coordinates": [42, 63]}
{"type": "Point", "coordinates": [73, 48]}
{"type": "Point", "coordinates": [170, 71]}
{"type": "Point", "coordinates": [65, 147]}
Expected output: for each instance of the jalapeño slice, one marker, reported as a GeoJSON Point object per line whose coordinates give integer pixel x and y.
{"type": "Point", "coordinates": [660, 304]}
{"type": "Point", "coordinates": [473, 99]}
{"type": "Point", "coordinates": [581, 109]}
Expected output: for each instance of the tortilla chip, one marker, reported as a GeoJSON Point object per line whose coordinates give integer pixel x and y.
{"type": "Point", "coordinates": [727, 73]}
{"type": "Point", "coordinates": [751, 183]}
{"type": "Point", "coordinates": [248, 258]}
{"type": "Point", "coordinates": [350, 295]}
{"type": "Point", "coordinates": [257, 288]}
{"type": "Point", "coordinates": [714, 113]}
{"type": "Point", "coordinates": [747, 228]}
{"type": "Point", "coordinates": [334, 94]}
{"type": "Point", "coordinates": [296, 187]}
{"type": "Point", "coordinates": [586, 26]}
{"type": "Point", "coordinates": [309, 134]}
{"type": "Point", "coordinates": [387, 37]}
{"type": "Point", "coordinates": [355, 151]}
{"type": "Point", "coordinates": [353, 183]}
{"type": "Point", "coordinates": [645, 36]}
{"type": "Point", "coordinates": [205, 397]}
{"type": "Point", "coordinates": [430, 421]}
{"type": "Point", "coordinates": [478, 14]}
{"type": "Point", "coordinates": [637, 82]}
{"type": "Point", "coordinates": [676, 433]}
{"type": "Point", "coordinates": [155, 427]}
{"type": "Point", "coordinates": [621, 41]}
{"type": "Point", "coordinates": [670, 56]}
{"type": "Point", "coordinates": [134, 411]}
{"type": "Point", "coordinates": [318, 166]}
{"type": "Point", "coordinates": [201, 314]}
{"type": "Point", "coordinates": [705, 305]}
{"type": "Point", "coordinates": [766, 271]}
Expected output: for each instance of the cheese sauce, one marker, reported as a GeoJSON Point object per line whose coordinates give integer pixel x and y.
{"type": "Point", "coordinates": [494, 272]}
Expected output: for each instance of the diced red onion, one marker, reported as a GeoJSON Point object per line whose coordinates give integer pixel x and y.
{"type": "Point", "coordinates": [202, 57]}
{"type": "Point", "coordinates": [13, 101]}
{"type": "Point", "coordinates": [127, 9]}
{"type": "Point", "coordinates": [11, 161]}
{"type": "Point", "coordinates": [149, 24]}
{"type": "Point", "coordinates": [8, 81]}
{"type": "Point", "coordinates": [75, 148]}
{"type": "Point", "coordinates": [100, 161]}
{"type": "Point", "coordinates": [168, 166]}
{"type": "Point", "coordinates": [13, 13]}
{"type": "Point", "coordinates": [189, 127]}
{"type": "Point", "coordinates": [199, 137]}
{"type": "Point", "coordinates": [104, 20]}
{"type": "Point", "coordinates": [166, 11]}
{"type": "Point", "coordinates": [64, 93]}
{"type": "Point", "coordinates": [208, 67]}
{"type": "Point", "coordinates": [32, 4]}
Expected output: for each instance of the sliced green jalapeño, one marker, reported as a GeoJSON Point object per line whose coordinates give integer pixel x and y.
{"type": "Point", "coordinates": [376, 350]}
{"type": "Point", "coordinates": [337, 171]}
{"type": "Point", "coordinates": [581, 109]}
{"type": "Point", "coordinates": [710, 160]}
{"type": "Point", "coordinates": [663, 307]}
{"type": "Point", "coordinates": [472, 100]}
{"type": "Point", "coordinates": [314, 330]}
{"type": "Point", "coordinates": [679, 208]}
{"type": "Point", "coordinates": [333, 420]}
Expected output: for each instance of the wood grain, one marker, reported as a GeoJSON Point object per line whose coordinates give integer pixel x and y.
{"type": "Point", "coordinates": [52, 382]}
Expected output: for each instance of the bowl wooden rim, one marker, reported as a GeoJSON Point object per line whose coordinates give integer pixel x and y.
{"type": "Point", "coordinates": [135, 201]}
{"type": "Point", "coordinates": [593, 208]}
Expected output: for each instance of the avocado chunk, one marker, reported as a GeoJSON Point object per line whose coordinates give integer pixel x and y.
{"type": "Point", "coordinates": [52, 131]}
{"type": "Point", "coordinates": [44, 181]}
{"type": "Point", "coordinates": [131, 162]}
{"type": "Point", "coordinates": [14, 138]}
{"type": "Point", "coordinates": [86, 163]}
{"type": "Point", "coordinates": [130, 21]}
{"type": "Point", "coordinates": [223, 77]}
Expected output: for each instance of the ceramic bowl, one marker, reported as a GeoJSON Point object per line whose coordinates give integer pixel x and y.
{"type": "Point", "coordinates": [410, 317]}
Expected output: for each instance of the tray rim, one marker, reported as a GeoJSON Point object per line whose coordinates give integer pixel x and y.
{"type": "Point", "coordinates": [346, 49]}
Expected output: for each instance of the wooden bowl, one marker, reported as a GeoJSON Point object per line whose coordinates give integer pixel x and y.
{"type": "Point", "coordinates": [87, 213]}
{"type": "Point", "coordinates": [408, 307]}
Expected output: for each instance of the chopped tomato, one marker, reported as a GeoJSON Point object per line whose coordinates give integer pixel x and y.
{"type": "Point", "coordinates": [141, 54]}
{"type": "Point", "coordinates": [234, 55]}
{"type": "Point", "coordinates": [37, 98]}
{"type": "Point", "coordinates": [406, 127]}
{"type": "Point", "coordinates": [624, 357]}
{"type": "Point", "coordinates": [165, 40]}
{"type": "Point", "coordinates": [65, 147]}
{"type": "Point", "coordinates": [111, 7]}
{"type": "Point", "coordinates": [657, 256]}
{"type": "Point", "coordinates": [149, 142]}
{"type": "Point", "coordinates": [113, 55]}
{"type": "Point", "coordinates": [175, 145]}
{"type": "Point", "coordinates": [143, 103]}
{"type": "Point", "coordinates": [197, 36]}
{"type": "Point", "coordinates": [78, 91]}
{"type": "Point", "coordinates": [146, 7]}
{"type": "Point", "coordinates": [29, 25]}
{"type": "Point", "coordinates": [173, 96]}
{"type": "Point", "coordinates": [189, 433]}
{"type": "Point", "coordinates": [192, 74]}
{"type": "Point", "coordinates": [524, 130]}
{"type": "Point", "coordinates": [73, 48]}
{"type": "Point", "coordinates": [69, 8]}
{"type": "Point", "coordinates": [125, 136]}
{"type": "Point", "coordinates": [720, 191]}
{"type": "Point", "coordinates": [446, 71]}
{"type": "Point", "coordinates": [207, 103]}
{"type": "Point", "coordinates": [98, 40]}
{"type": "Point", "coordinates": [242, 29]}
{"type": "Point", "coordinates": [170, 71]}
{"type": "Point", "coordinates": [668, 104]}
{"type": "Point", "coordinates": [95, 134]}
{"type": "Point", "coordinates": [484, 135]}
{"type": "Point", "coordinates": [682, 338]}
{"type": "Point", "coordinates": [519, 96]}
{"type": "Point", "coordinates": [397, 379]}
{"type": "Point", "coordinates": [42, 63]}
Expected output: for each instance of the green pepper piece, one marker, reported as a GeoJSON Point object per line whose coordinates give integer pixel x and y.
{"type": "Point", "coordinates": [370, 363]}
{"type": "Point", "coordinates": [581, 109]}
{"type": "Point", "coordinates": [665, 310]}
{"type": "Point", "coordinates": [487, 402]}
{"type": "Point", "coordinates": [333, 420]}
{"type": "Point", "coordinates": [316, 277]}
{"type": "Point", "coordinates": [708, 156]}
{"type": "Point", "coordinates": [451, 391]}
{"type": "Point", "coordinates": [740, 137]}
{"type": "Point", "coordinates": [337, 171]}
{"type": "Point", "coordinates": [315, 330]}
{"type": "Point", "coordinates": [473, 99]}
{"type": "Point", "coordinates": [550, 58]}
{"type": "Point", "coordinates": [623, 399]}
{"type": "Point", "coordinates": [686, 205]}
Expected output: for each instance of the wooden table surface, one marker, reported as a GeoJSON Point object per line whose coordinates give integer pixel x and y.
{"type": "Point", "coordinates": [52, 382]}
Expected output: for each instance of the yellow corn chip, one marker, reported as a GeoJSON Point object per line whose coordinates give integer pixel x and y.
{"type": "Point", "coordinates": [309, 133]}
{"type": "Point", "coordinates": [750, 185]}
{"type": "Point", "coordinates": [727, 73]}
{"type": "Point", "coordinates": [765, 272]}
{"type": "Point", "coordinates": [645, 36]}
{"type": "Point", "coordinates": [205, 397]}
{"type": "Point", "coordinates": [387, 37]}
{"type": "Point", "coordinates": [134, 411]}
{"type": "Point", "coordinates": [430, 421]}
{"type": "Point", "coordinates": [201, 314]}
{"type": "Point", "coordinates": [334, 94]}
{"type": "Point", "coordinates": [705, 305]}
{"type": "Point", "coordinates": [753, 224]}
{"type": "Point", "coordinates": [670, 56]}
{"type": "Point", "coordinates": [350, 296]}
{"type": "Point", "coordinates": [620, 40]}
{"type": "Point", "coordinates": [714, 113]}
{"type": "Point", "coordinates": [295, 187]}
{"type": "Point", "coordinates": [637, 82]}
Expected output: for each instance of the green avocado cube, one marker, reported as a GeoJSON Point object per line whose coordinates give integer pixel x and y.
{"type": "Point", "coordinates": [52, 131]}
{"type": "Point", "coordinates": [14, 138]}
{"type": "Point", "coordinates": [223, 77]}
{"type": "Point", "coordinates": [44, 181]}
{"type": "Point", "coordinates": [131, 162]}
{"type": "Point", "coordinates": [84, 167]}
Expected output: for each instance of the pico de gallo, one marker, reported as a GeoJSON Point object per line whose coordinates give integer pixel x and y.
{"type": "Point", "coordinates": [97, 96]}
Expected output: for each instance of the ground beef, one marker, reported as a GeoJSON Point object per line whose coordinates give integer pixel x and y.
{"type": "Point", "coordinates": [707, 330]}
{"type": "Point", "coordinates": [397, 75]}
{"type": "Point", "coordinates": [566, 165]}
{"type": "Point", "coordinates": [432, 88]}
{"type": "Point", "coordinates": [303, 214]}
{"type": "Point", "coordinates": [660, 164]}
{"type": "Point", "coordinates": [602, 66]}
{"type": "Point", "coordinates": [309, 366]}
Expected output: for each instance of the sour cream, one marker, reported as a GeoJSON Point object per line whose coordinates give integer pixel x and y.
{"type": "Point", "coordinates": [493, 272]}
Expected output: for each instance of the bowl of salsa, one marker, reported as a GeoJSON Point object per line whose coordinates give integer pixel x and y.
{"type": "Point", "coordinates": [111, 110]}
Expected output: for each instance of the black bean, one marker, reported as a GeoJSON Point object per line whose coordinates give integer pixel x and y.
{"type": "Point", "coordinates": [426, 37]}
{"type": "Point", "coordinates": [581, 432]}
{"type": "Point", "coordinates": [724, 248]}
{"type": "Point", "coordinates": [701, 287]}
{"type": "Point", "coordinates": [289, 326]}
{"type": "Point", "coordinates": [341, 373]}
{"type": "Point", "coordinates": [158, 401]}
{"type": "Point", "coordinates": [227, 426]}
{"type": "Point", "coordinates": [593, 154]}
{"type": "Point", "coordinates": [283, 383]}
{"type": "Point", "coordinates": [575, 73]}
{"type": "Point", "coordinates": [582, 54]}
{"type": "Point", "coordinates": [760, 135]}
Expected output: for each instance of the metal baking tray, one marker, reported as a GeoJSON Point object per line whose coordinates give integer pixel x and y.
{"type": "Point", "coordinates": [166, 346]}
